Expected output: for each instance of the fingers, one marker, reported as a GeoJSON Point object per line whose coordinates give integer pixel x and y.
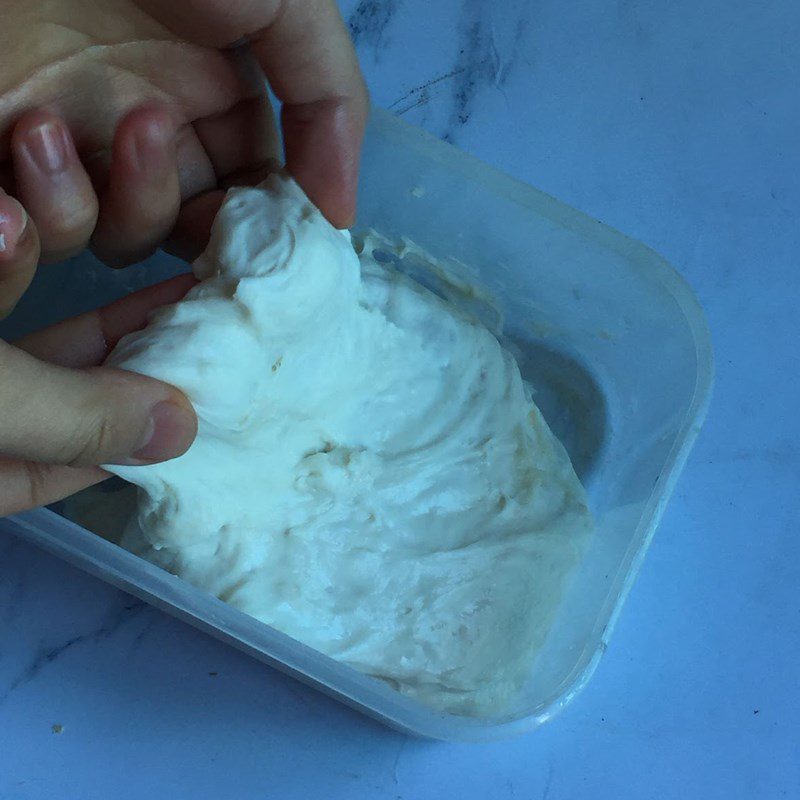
{"type": "Point", "coordinates": [80, 342]}
{"type": "Point", "coordinates": [87, 417]}
{"type": "Point", "coordinates": [142, 197]}
{"type": "Point", "coordinates": [82, 417]}
{"type": "Point", "coordinates": [19, 252]}
{"type": "Point", "coordinates": [305, 51]}
{"type": "Point", "coordinates": [243, 147]}
{"type": "Point", "coordinates": [52, 184]}
{"type": "Point", "coordinates": [190, 235]}
{"type": "Point", "coordinates": [322, 157]}
{"type": "Point", "coordinates": [194, 166]}
{"type": "Point", "coordinates": [86, 340]}
{"type": "Point", "coordinates": [28, 484]}
{"type": "Point", "coordinates": [151, 168]}
{"type": "Point", "coordinates": [241, 141]}
{"type": "Point", "coordinates": [196, 179]}
{"type": "Point", "coordinates": [309, 60]}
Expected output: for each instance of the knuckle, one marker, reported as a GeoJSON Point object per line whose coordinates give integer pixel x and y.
{"type": "Point", "coordinates": [91, 444]}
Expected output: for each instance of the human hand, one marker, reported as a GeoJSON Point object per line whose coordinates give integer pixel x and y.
{"type": "Point", "coordinates": [62, 415]}
{"type": "Point", "coordinates": [121, 124]}
{"type": "Point", "coordinates": [122, 121]}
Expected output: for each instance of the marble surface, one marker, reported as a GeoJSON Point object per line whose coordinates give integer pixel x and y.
{"type": "Point", "coordinates": [677, 123]}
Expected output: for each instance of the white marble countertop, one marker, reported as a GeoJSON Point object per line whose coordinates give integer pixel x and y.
{"type": "Point", "coordinates": [677, 123]}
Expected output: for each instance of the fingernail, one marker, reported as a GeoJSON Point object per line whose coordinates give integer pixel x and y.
{"type": "Point", "coordinates": [150, 146]}
{"type": "Point", "coordinates": [13, 221]}
{"type": "Point", "coordinates": [169, 433]}
{"type": "Point", "coordinates": [48, 147]}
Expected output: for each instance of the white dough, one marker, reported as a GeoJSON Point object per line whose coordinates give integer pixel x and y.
{"type": "Point", "coordinates": [370, 475]}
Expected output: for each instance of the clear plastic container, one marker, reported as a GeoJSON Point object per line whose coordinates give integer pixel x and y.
{"type": "Point", "coordinates": [609, 335]}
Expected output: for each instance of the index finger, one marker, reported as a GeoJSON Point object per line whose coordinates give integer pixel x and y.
{"type": "Point", "coordinates": [86, 340]}
{"type": "Point", "coordinates": [305, 51]}
{"type": "Point", "coordinates": [311, 65]}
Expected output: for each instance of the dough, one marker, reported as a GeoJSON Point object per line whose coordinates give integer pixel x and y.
{"type": "Point", "coordinates": [370, 475]}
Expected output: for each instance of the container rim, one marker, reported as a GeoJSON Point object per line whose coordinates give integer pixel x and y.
{"type": "Point", "coordinates": [400, 710]}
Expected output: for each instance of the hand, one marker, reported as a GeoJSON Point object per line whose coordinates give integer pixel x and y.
{"type": "Point", "coordinates": [62, 415]}
{"type": "Point", "coordinates": [121, 123]}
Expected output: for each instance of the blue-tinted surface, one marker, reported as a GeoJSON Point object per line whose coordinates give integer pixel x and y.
{"type": "Point", "coordinates": [677, 123]}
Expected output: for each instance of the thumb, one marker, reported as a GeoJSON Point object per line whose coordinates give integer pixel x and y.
{"type": "Point", "coordinates": [56, 415]}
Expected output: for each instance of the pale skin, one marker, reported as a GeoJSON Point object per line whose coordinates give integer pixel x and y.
{"type": "Point", "coordinates": [121, 124]}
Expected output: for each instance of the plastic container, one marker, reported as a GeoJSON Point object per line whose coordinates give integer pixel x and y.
{"type": "Point", "coordinates": [610, 336]}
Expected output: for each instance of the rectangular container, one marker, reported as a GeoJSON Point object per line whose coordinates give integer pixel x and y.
{"type": "Point", "coordinates": [609, 335]}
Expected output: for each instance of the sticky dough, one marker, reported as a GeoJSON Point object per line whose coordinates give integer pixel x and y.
{"type": "Point", "coordinates": [370, 475]}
